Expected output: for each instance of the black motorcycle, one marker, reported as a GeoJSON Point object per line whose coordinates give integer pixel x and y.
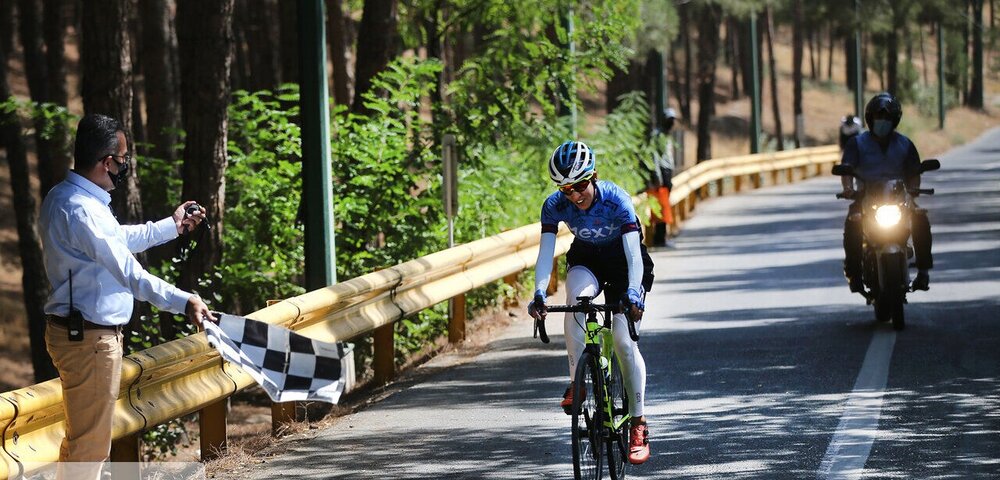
{"type": "Point", "coordinates": [886, 208]}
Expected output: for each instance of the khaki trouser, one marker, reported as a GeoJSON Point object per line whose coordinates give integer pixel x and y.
{"type": "Point", "coordinates": [90, 372]}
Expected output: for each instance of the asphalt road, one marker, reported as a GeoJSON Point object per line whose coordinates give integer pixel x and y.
{"type": "Point", "coordinates": [760, 362]}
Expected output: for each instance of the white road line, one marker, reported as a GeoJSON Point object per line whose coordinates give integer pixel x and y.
{"type": "Point", "coordinates": [848, 451]}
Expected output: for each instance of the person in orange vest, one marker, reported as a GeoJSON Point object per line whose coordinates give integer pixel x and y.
{"type": "Point", "coordinates": [659, 182]}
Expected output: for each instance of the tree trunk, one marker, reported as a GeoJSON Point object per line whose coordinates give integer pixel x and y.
{"type": "Point", "coordinates": [892, 62]}
{"type": "Point", "coordinates": [732, 37]}
{"type": "Point", "coordinates": [622, 82]}
{"type": "Point", "coordinates": [375, 46]}
{"type": "Point", "coordinates": [746, 60]}
{"type": "Point", "coordinates": [33, 281]}
{"type": "Point", "coordinates": [139, 138]}
{"type": "Point", "coordinates": [7, 27]}
{"type": "Point", "coordinates": [160, 72]}
{"type": "Point", "coordinates": [850, 60]}
{"type": "Point", "coordinates": [923, 54]}
{"type": "Point", "coordinates": [107, 85]}
{"type": "Point", "coordinates": [975, 99]}
{"type": "Point", "coordinates": [205, 38]}
{"type": "Point", "coordinates": [709, 18]}
{"type": "Point", "coordinates": [829, 54]}
{"type": "Point", "coordinates": [159, 63]}
{"type": "Point", "coordinates": [35, 63]}
{"type": "Point", "coordinates": [797, 37]}
{"type": "Point", "coordinates": [29, 13]}
{"type": "Point", "coordinates": [810, 39]}
{"type": "Point", "coordinates": [56, 15]}
{"type": "Point", "coordinates": [340, 51]}
{"type": "Point", "coordinates": [685, 13]}
{"type": "Point", "coordinates": [676, 73]}
{"type": "Point", "coordinates": [239, 72]}
{"type": "Point", "coordinates": [289, 35]}
{"type": "Point", "coordinates": [769, 27]}
{"type": "Point", "coordinates": [263, 43]}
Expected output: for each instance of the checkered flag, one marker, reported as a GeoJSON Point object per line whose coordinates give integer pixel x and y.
{"type": "Point", "coordinates": [288, 365]}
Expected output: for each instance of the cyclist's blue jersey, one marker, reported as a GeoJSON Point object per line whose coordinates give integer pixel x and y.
{"type": "Point", "coordinates": [608, 218]}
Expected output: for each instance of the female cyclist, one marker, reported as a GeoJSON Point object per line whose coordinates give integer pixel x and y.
{"type": "Point", "coordinates": [607, 251]}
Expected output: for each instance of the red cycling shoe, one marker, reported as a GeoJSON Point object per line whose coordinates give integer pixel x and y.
{"type": "Point", "coordinates": [638, 451]}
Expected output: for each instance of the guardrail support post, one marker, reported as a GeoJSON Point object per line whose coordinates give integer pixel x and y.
{"type": "Point", "coordinates": [720, 187]}
{"type": "Point", "coordinates": [456, 319]}
{"type": "Point", "coordinates": [282, 413]}
{"type": "Point", "coordinates": [738, 183]}
{"type": "Point", "coordinates": [212, 427]}
{"type": "Point", "coordinates": [757, 180]}
{"type": "Point", "coordinates": [126, 449]}
{"type": "Point", "coordinates": [385, 354]}
{"type": "Point", "coordinates": [774, 177]}
{"type": "Point", "coordinates": [791, 175]}
{"type": "Point", "coordinates": [554, 278]}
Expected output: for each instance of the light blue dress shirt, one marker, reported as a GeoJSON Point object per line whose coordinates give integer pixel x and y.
{"type": "Point", "coordinates": [80, 233]}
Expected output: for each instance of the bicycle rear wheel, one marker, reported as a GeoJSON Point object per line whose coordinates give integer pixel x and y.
{"type": "Point", "coordinates": [618, 440]}
{"type": "Point", "coordinates": [588, 420]}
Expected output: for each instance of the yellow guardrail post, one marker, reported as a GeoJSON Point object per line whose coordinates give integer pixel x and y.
{"type": "Point", "coordinates": [127, 450]}
{"type": "Point", "coordinates": [212, 426]}
{"type": "Point", "coordinates": [282, 413]}
{"type": "Point", "coordinates": [385, 354]}
{"type": "Point", "coordinates": [554, 278]}
{"type": "Point", "coordinates": [456, 321]}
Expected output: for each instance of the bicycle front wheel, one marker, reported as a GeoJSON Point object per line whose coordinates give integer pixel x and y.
{"type": "Point", "coordinates": [618, 439]}
{"type": "Point", "coordinates": [588, 419]}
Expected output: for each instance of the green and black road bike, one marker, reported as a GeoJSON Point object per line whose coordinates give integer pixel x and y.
{"type": "Point", "coordinates": [600, 414]}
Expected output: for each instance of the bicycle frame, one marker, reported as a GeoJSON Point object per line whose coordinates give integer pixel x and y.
{"type": "Point", "coordinates": [600, 343]}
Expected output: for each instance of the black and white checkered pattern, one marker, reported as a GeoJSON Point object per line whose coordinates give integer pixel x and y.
{"type": "Point", "coordinates": [288, 365]}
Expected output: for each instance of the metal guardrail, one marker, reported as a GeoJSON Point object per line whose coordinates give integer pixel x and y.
{"type": "Point", "coordinates": [187, 375]}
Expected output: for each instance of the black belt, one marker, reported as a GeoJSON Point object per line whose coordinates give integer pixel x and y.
{"type": "Point", "coordinates": [87, 324]}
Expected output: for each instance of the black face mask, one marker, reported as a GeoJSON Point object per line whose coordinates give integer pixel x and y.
{"type": "Point", "coordinates": [119, 178]}
{"type": "Point", "coordinates": [668, 125]}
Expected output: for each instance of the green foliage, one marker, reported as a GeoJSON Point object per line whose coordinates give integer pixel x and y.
{"type": "Point", "coordinates": [384, 207]}
{"type": "Point", "coordinates": [908, 79]}
{"type": "Point", "coordinates": [51, 120]}
{"type": "Point", "coordinates": [522, 69]}
{"type": "Point", "coordinates": [264, 254]}
{"type": "Point", "coordinates": [161, 441]}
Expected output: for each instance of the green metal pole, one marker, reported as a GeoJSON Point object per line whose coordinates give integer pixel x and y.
{"type": "Point", "coordinates": [659, 92]}
{"type": "Point", "coordinates": [940, 39]}
{"type": "Point", "coordinates": [314, 105]}
{"type": "Point", "coordinates": [859, 91]}
{"type": "Point", "coordinates": [755, 86]}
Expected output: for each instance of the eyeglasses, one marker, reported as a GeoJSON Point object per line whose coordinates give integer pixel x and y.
{"type": "Point", "coordinates": [127, 158]}
{"type": "Point", "coordinates": [577, 187]}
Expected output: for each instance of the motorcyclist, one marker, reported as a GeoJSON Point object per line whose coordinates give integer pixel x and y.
{"type": "Point", "coordinates": [882, 153]}
{"type": "Point", "coordinates": [850, 125]}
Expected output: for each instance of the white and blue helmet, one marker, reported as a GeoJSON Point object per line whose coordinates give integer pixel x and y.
{"type": "Point", "coordinates": [571, 162]}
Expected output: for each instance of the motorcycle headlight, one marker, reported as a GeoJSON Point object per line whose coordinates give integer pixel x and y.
{"type": "Point", "coordinates": [888, 215]}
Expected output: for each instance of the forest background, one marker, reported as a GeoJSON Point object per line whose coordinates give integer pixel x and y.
{"type": "Point", "coordinates": [208, 92]}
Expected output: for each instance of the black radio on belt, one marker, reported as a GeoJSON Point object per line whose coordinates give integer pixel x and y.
{"type": "Point", "coordinates": [75, 318]}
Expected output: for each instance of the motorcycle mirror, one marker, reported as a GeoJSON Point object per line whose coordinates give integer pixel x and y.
{"type": "Point", "coordinates": [843, 170]}
{"type": "Point", "coordinates": [929, 165]}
